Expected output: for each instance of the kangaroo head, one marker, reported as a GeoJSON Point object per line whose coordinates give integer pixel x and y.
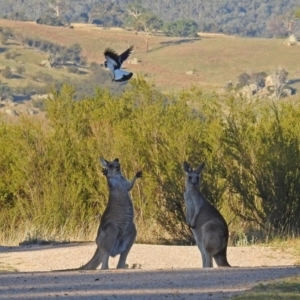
{"type": "Point", "coordinates": [192, 176]}
{"type": "Point", "coordinates": [113, 167]}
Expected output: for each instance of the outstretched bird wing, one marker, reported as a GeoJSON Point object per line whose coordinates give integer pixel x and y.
{"type": "Point", "coordinates": [125, 55]}
{"type": "Point", "coordinates": [112, 59]}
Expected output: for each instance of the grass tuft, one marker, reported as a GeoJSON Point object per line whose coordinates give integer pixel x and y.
{"type": "Point", "coordinates": [288, 288]}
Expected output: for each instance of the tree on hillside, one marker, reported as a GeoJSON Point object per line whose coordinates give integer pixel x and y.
{"type": "Point", "coordinates": [279, 77]}
{"type": "Point", "coordinates": [227, 16]}
{"type": "Point", "coordinates": [5, 34]}
{"type": "Point", "coordinates": [58, 6]}
{"type": "Point", "coordinates": [106, 12]}
{"type": "Point", "coordinates": [279, 26]}
{"type": "Point", "coordinates": [18, 16]}
{"type": "Point", "coordinates": [296, 22]}
{"type": "Point", "coordinates": [135, 10]}
{"type": "Point", "coordinates": [143, 20]}
{"type": "Point", "coordinates": [99, 10]}
{"type": "Point", "coordinates": [297, 13]}
{"type": "Point", "coordinates": [181, 28]}
{"type": "Point", "coordinates": [149, 23]}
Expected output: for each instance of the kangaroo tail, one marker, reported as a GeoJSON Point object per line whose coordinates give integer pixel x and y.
{"type": "Point", "coordinates": [221, 258]}
{"type": "Point", "coordinates": [95, 261]}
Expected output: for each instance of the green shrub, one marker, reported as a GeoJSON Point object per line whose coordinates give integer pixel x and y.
{"type": "Point", "coordinates": [261, 146]}
{"type": "Point", "coordinates": [183, 28]}
{"type": "Point", "coordinates": [7, 73]}
{"type": "Point", "coordinates": [51, 179]}
{"type": "Point", "coordinates": [7, 55]}
{"type": "Point", "coordinates": [20, 69]}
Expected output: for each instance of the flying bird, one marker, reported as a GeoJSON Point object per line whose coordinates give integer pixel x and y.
{"type": "Point", "coordinates": [114, 62]}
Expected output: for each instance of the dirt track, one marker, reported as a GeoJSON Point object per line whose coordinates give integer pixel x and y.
{"type": "Point", "coordinates": [160, 272]}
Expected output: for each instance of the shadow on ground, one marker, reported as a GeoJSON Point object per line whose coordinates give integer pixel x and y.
{"type": "Point", "coordinates": [41, 245]}
{"type": "Point", "coordinates": [221, 283]}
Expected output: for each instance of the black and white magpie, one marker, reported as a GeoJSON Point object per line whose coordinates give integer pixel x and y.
{"type": "Point", "coordinates": [114, 62]}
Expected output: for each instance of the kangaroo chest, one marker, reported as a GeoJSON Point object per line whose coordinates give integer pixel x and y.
{"type": "Point", "coordinates": [120, 211]}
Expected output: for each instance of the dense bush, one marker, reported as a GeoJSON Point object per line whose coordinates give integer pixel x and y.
{"type": "Point", "coordinates": [261, 147]}
{"type": "Point", "coordinates": [10, 55]}
{"type": "Point", "coordinates": [58, 55]}
{"type": "Point", "coordinates": [5, 91]}
{"type": "Point", "coordinates": [20, 69]}
{"type": "Point", "coordinates": [51, 20]}
{"type": "Point", "coordinates": [51, 179]}
{"type": "Point", "coordinates": [268, 18]}
{"type": "Point", "coordinates": [181, 28]}
{"type": "Point", "coordinates": [5, 34]}
{"type": "Point", "coordinates": [7, 72]}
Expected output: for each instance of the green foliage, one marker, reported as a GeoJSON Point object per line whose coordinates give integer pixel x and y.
{"type": "Point", "coordinates": [51, 179]}
{"type": "Point", "coordinates": [10, 55]}
{"type": "Point", "coordinates": [255, 18]}
{"type": "Point", "coordinates": [181, 28]}
{"type": "Point", "coordinates": [5, 91]}
{"type": "Point", "coordinates": [51, 20]}
{"type": "Point", "coordinates": [58, 55]}
{"type": "Point", "coordinates": [135, 10]}
{"type": "Point", "coordinates": [7, 72]}
{"type": "Point", "coordinates": [142, 19]}
{"type": "Point", "coordinates": [283, 288]}
{"type": "Point", "coordinates": [257, 78]}
{"type": "Point", "coordinates": [5, 34]}
{"type": "Point", "coordinates": [243, 79]}
{"type": "Point", "coordinates": [20, 69]}
{"type": "Point", "coordinates": [296, 13]}
{"type": "Point", "coordinates": [261, 145]}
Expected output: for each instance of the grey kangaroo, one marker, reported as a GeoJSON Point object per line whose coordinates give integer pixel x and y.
{"type": "Point", "coordinates": [117, 231]}
{"type": "Point", "coordinates": [208, 226]}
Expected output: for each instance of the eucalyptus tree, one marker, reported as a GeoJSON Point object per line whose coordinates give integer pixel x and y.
{"type": "Point", "coordinates": [143, 20]}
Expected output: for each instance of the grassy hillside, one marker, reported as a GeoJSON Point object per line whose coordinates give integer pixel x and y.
{"type": "Point", "coordinates": [215, 59]}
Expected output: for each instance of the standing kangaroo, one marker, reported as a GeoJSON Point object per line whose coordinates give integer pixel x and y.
{"type": "Point", "coordinates": [208, 226]}
{"type": "Point", "coordinates": [116, 232]}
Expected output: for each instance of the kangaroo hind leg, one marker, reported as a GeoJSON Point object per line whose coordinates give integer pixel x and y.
{"type": "Point", "coordinates": [221, 258]}
{"type": "Point", "coordinates": [128, 242]}
{"type": "Point", "coordinates": [106, 240]}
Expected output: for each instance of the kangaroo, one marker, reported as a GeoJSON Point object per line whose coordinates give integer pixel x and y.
{"type": "Point", "coordinates": [207, 224]}
{"type": "Point", "coordinates": [117, 231]}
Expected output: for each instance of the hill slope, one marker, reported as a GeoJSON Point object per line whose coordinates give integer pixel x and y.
{"type": "Point", "coordinates": [214, 59]}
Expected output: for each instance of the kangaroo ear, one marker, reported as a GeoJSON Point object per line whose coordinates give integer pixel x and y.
{"type": "Point", "coordinates": [116, 159]}
{"type": "Point", "coordinates": [186, 167]}
{"type": "Point", "coordinates": [103, 162]}
{"type": "Point", "coordinates": [200, 168]}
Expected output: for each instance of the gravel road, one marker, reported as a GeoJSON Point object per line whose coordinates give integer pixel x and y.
{"type": "Point", "coordinates": [155, 272]}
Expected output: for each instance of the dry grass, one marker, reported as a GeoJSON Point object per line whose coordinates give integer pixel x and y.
{"type": "Point", "coordinates": [284, 288]}
{"type": "Point", "coordinates": [290, 245]}
{"type": "Point", "coordinates": [215, 59]}
{"type": "Point", "coordinates": [287, 288]}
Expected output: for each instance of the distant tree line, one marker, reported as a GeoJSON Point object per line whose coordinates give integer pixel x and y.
{"type": "Point", "coordinates": [269, 18]}
{"type": "Point", "coordinates": [58, 54]}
